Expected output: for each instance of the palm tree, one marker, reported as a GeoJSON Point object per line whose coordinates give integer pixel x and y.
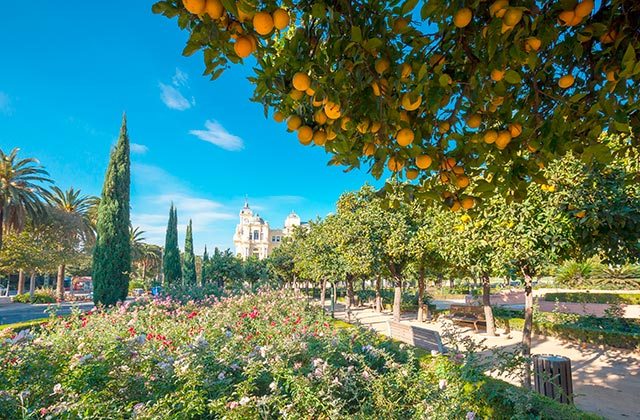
{"type": "Point", "coordinates": [142, 253]}
{"type": "Point", "coordinates": [73, 213]}
{"type": "Point", "coordinates": [22, 188]}
{"type": "Point", "coordinates": [137, 242]}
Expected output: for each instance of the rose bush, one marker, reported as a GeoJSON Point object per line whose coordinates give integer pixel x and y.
{"type": "Point", "coordinates": [267, 355]}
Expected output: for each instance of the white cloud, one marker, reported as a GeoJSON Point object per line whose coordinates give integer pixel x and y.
{"type": "Point", "coordinates": [5, 104]}
{"type": "Point", "coordinates": [180, 78]}
{"type": "Point", "coordinates": [216, 134]}
{"type": "Point", "coordinates": [173, 98]}
{"type": "Point", "coordinates": [140, 149]}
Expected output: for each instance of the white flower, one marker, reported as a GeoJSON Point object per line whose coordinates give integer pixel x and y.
{"type": "Point", "coordinates": [221, 376]}
{"type": "Point", "coordinates": [141, 339]}
{"type": "Point", "coordinates": [228, 333]}
{"type": "Point", "coordinates": [244, 400]}
{"type": "Point", "coordinates": [317, 361]}
{"type": "Point", "coordinates": [442, 384]}
{"type": "Point", "coordinates": [273, 386]}
{"type": "Point", "coordinates": [234, 366]}
{"type": "Point", "coordinates": [471, 415]}
{"type": "Point", "coordinates": [435, 352]}
{"type": "Point", "coordinates": [336, 381]}
{"type": "Point", "coordinates": [367, 348]}
{"type": "Point", "coordinates": [57, 388]}
{"type": "Point", "coordinates": [365, 375]}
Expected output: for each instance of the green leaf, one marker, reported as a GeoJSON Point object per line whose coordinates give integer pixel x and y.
{"type": "Point", "coordinates": [356, 34]}
{"type": "Point", "coordinates": [408, 6]}
{"type": "Point", "coordinates": [512, 77]}
{"type": "Point", "coordinates": [629, 58]}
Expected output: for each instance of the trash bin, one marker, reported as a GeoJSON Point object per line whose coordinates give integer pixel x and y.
{"type": "Point", "coordinates": [552, 377]}
{"type": "Point", "coordinates": [155, 291]}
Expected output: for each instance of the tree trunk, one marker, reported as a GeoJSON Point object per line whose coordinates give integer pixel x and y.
{"type": "Point", "coordinates": [397, 298]}
{"type": "Point", "coordinates": [378, 302]}
{"type": "Point", "coordinates": [350, 297]}
{"type": "Point", "coordinates": [421, 305]}
{"type": "Point", "coordinates": [1, 225]}
{"type": "Point", "coordinates": [32, 285]}
{"type": "Point", "coordinates": [364, 284]}
{"type": "Point", "coordinates": [60, 283]}
{"type": "Point", "coordinates": [323, 292]}
{"type": "Point", "coordinates": [527, 330]}
{"type": "Point", "coordinates": [20, 282]}
{"type": "Point", "coordinates": [451, 284]}
{"type": "Point", "coordinates": [486, 302]}
{"type": "Point", "coordinates": [144, 271]}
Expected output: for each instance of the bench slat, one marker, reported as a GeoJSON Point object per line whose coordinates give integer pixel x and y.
{"type": "Point", "coordinates": [420, 337]}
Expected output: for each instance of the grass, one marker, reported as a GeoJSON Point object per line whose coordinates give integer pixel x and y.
{"type": "Point", "coordinates": [19, 326]}
{"type": "Point", "coordinates": [584, 297]}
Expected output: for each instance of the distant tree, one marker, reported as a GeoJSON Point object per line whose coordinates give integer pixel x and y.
{"type": "Point", "coordinates": [71, 209]}
{"type": "Point", "coordinates": [204, 272]}
{"type": "Point", "coordinates": [112, 253]}
{"type": "Point", "coordinates": [281, 264]}
{"type": "Point", "coordinates": [171, 261]}
{"type": "Point", "coordinates": [22, 189]}
{"type": "Point", "coordinates": [254, 270]}
{"type": "Point", "coordinates": [225, 267]}
{"type": "Point", "coordinates": [189, 260]}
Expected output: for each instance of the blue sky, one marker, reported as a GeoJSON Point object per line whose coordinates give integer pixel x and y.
{"type": "Point", "coordinates": [68, 70]}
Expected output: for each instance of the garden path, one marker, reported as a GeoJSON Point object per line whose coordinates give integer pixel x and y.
{"type": "Point", "coordinates": [606, 380]}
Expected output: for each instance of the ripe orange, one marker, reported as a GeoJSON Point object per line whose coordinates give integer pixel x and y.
{"type": "Point", "coordinates": [423, 161]}
{"type": "Point", "coordinates": [395, 164]}
{"type": "Point", "coordinates": [581, 214]}
{"type": "Point", "coordinates": [412, 174]}
{"type": "Point", "coordinates": [490, 136]}
{"type": "Point", "coordinates": [280, 19]}
{"type": "Point", "coordinates": [455, 206]}
{"type": "Point", "coordinates": [462, 181]}
{"type": "Point", "coordinates": [278, 116]}
{"type": "Point", "coordinates": [263, 24]}
{"type": "Point", "coordinates": [344, 123]}
{"type": "Point", "coordinates": [497, 6]}
{"type": "Point", "coordinates": [195, 7]}
{"type": "Point", "coordinates": [566, 16]}
{"type": "Point", "coordinates": [512, 16]}
{"type": "Point", "coordinates": [369, 149]}
{"type": "Point", "coordinates": [320, 117]}
{"type": "Point", "coordinates": [468, 203]}
{"type": "Point", "coordinates": [214, 9]}
{"type": "Point", "coordinates": [584, 8]}
{"type": "Point", "coordinates": [532, 43]}
{"type": "Point", "coordinates": [332, 110]}
{"type": "Point", "coordinates": [515, 129]}
{"type": "Point", "coordinates": [458, 170]}
{"type": "Point", "coordinates": [410, 105]}
{"type": "Point", "coordinates": [405, 72]}
{"type": "Point", "coordinates": [609, 37]}
{"type": "Point", "coordinates": [331, 134]}
{"type": "Point", "coordinates": [301, 81]}
{"type": "Point", "coordinates": [375, 126]}
{"type": "Point", "coordinates": [503, 139]}
{"type": "Point", "coordinates": [243, 46]}
{"type": "Point", "coordinates": [400, 25]}
{"type": "Point", "coordinates": [497, 75]}
{"type": "Point", "coordinates": [462, 17]}
{"type": "Point", "coordinates": [566, 81]}
{"type": "Point", "coordinates": [294, 122]}
{"type": "Point", "coordinates": [363, 126]}
{"type": "Point", "coordinates": [305, 134]}
{"type": "Point", "coordinates": [443, 127]}
{"type": "Point", "coordinates": [381, 65]}
{"type": "Point", "coordinates": [310, 91]}
{"type": "Point", "coordinates": [296, 94]}
{"type": "Point", "coordinates": [320, 137]}
{"type": "Point", "coordinates": [405, 137]}
{"type": "Point", "coordinates": [474, 121]}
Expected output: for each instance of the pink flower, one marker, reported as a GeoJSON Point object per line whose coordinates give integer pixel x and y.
{"type": "Point", "coordinates": [442, 384]}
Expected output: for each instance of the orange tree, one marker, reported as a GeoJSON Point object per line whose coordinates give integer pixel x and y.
{"type": "Point", "coordinates": [436, 91]}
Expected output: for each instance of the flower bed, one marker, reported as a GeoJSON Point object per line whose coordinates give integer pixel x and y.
{"type": "Point", "coordinates": [254, 356]}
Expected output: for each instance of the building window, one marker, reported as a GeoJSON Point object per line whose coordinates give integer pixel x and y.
{"type": "Point", "coordinates": [273, 239]}
{"type": "Point", "coordinates": [256, 235]}
{"type": "Point", "coordinates": [277, 239]}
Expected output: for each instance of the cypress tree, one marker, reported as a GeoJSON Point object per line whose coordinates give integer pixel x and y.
{"type": "Point", "coordinates": [204, 276]}
{"type": "Point", "coordinates": [189, 266]}
{"type": "Point", "coordinates": [112, 252]}
{"type": "Point", "coordinates": [171, 259]}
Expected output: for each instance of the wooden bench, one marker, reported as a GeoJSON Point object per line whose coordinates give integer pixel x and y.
{"type": "Point", "coordinates": [416, 336]}
{"type": "Point", "coordinates": [466, 314]}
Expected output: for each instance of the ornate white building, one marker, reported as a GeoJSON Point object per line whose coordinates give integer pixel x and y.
{"type": "Point", "coordinates": [254, 237]}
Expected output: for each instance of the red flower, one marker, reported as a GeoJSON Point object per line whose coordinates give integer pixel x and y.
{"type": "Point", "coordinates": [273, 323]}
{"type": "Point", "coordinates": [192, 315]}
{"type": "Point", "coordinates": [132, 331]}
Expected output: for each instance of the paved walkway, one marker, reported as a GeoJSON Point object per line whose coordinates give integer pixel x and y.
{"type": "Point", "coordinates": [18, 312]}
{"type": "Point", "coordinates": [606, 381]}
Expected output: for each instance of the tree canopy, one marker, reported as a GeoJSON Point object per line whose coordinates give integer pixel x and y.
{"type": "Point", "coordinates": [436, 91]}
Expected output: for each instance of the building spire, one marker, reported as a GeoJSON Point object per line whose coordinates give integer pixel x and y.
{"type": "Point", "coordinates": [246, 201]}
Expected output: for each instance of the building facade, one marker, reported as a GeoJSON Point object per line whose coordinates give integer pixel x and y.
{"type": "Point", "coordinates": [254, 236]}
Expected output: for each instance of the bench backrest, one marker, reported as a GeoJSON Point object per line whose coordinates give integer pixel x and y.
{"type": "Point", "coordinates": [416, 336]}
{"type": "Point", "coordinates": [467, 309]}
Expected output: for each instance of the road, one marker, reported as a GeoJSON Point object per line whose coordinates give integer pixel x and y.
{"type": "Point", "coordinates": [18, 312]}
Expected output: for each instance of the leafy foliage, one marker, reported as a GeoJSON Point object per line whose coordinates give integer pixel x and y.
{"type": "Point", "coordinates": [189, 260]}
{"type": "Point", "coordinates": [171, 265]}
{"type": "Point", "coordinates": [112, 253]}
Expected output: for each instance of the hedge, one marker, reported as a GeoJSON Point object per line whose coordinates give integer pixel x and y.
{"type": "Point", "coordinates": [585, 297]}
{"type": "Point", "coordinates": [596, 336]}
{"type": "Point", "coordinates": [19, 326]}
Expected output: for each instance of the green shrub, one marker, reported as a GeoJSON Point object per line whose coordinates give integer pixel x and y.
{"type": "Point", "coordinates": [137, 284]}
{"type": "Point", "coordinates": [44, 295]}
{"type": "Point", "coordinates": [575, 273]}
{"type": "Point", "coordinates": [611, 298]}
{"type": "Point", "coordinates": [614, 332]}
